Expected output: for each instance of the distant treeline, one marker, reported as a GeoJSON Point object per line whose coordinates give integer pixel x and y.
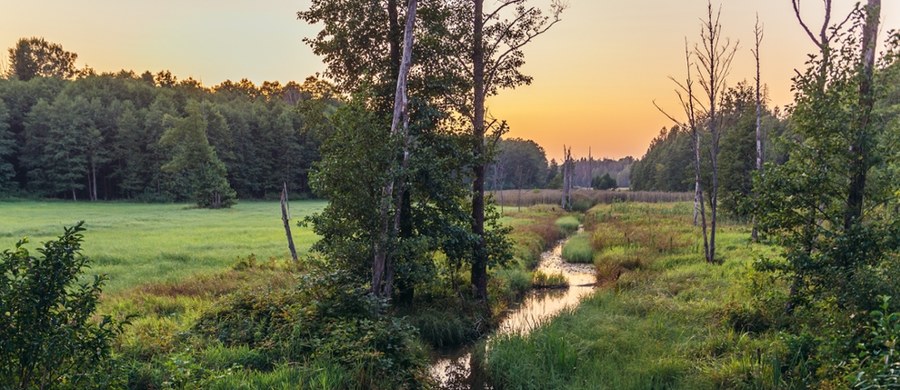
{"type": "Point", "coordinates": [97, 136]}
{"type": "Point", "coordinates": [522, 164]}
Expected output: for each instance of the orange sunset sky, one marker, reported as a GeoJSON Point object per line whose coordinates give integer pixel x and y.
{"type": "Point", "coordinates": [596, 73]}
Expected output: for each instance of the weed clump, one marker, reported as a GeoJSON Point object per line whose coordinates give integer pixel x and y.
{"type": "Point", "coordinates": [549, 280]}
{"type": "Point", "coordinates": [568, 224]}
{"type": "Point", "coordinates": [578, 249]}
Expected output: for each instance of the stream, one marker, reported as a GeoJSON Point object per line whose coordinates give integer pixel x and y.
{"type": "Point", "coordinates": [457, 369]}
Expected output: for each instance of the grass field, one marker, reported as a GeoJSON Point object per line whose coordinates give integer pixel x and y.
{"type": "Point", "coordinates": [141, 243]}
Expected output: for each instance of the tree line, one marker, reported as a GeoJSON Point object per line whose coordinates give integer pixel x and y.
{"type": "Point", "coordinates": [668, 164]}
{"type": "Point", "coordinates": [76, 134]}
{"type": "Point", "coordinates": [522, 164]}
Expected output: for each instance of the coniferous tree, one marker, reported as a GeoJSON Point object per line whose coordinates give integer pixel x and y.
{"type": "Point", "coordinates": [7, 152]}
{"type": "Point", "coordinates": [195, 161]}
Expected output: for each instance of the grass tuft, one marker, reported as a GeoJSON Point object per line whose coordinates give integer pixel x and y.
{"type": "Point", "coordinates": [549, 280]}
{"type": "Point", "coordinates": [578, 249]}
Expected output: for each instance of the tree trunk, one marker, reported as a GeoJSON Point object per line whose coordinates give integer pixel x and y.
{"type": "Point", "coordinates": [754, 234]}
{"type": "Point", "coordinates": [479, 252]}
{"type": "Point", "coordinates": [382, 272]}
{"type": "Point", "coordinates": [699, 193]}
{"type": "Point", "coordinates": [859, 150]}
{"type": "Point", "coordinates": [93, 181]}
{"type": "Point", "coordinates": [287, 223]}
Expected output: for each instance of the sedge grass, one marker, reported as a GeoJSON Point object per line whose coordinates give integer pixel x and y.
{"type": "Point", "coordinates": [578, 249]}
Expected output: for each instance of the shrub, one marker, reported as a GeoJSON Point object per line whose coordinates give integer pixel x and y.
{"type": "Point", "coordinates": [47, 332]}
{"type": "Point", "coordinates": [328, 318]}
{"type": "Point", "coordinates": [578, 250]}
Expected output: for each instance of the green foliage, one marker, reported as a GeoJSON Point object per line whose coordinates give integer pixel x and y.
{"type": "Point", "coordinates": [877, 358]}
{"type": "Point", "coordinates": [518, 164]}
{"type": "Point", "coordinates": [667, 165]}
{"type": "Point", "coordinates": [104, 131]}
{"type": "Point", "coordinates": [604, 182]}
{"type": "Point", "coordinates": [35, 57]}
{"type": "Point", "coordinates": [48, 336]}
{"type": "Point", "coordinates": [194, 162]}
{"type": "Point", "coordinates": [324, 319]}
{"type": "Point", "coordinates": [578, 249]}
{"type": "Point", "coordinates": [7, 152]}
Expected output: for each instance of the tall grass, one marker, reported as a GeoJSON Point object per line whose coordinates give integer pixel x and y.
{"type": "Point", "coordinates": [578, 249]}
{"type": "Point", "coordinates": [568, 224]}
{"type": "Point", "coordinates": [670, 320]}
{"type": "Point", "coordinates": [583, 199]}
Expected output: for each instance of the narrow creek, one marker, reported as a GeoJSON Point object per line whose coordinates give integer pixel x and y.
{"type": "Point", "coordinates": [458, 369]}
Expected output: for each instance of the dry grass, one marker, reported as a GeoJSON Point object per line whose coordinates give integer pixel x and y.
{"type": "Point", "coordinates": [583, 199]}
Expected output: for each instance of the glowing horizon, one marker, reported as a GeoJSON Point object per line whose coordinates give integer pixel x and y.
{"type": "Point", "coordinates": [596, 73]}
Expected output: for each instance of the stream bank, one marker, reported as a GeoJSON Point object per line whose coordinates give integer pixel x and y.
{"type": "Point", "coordinates": [461, 369]}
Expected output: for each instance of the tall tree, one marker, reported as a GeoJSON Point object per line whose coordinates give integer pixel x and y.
{"type": "Point", "coordinates": [195, 160]}
{"type": "Point", "coordinates": [382, 272]}
{"type": "Point", "coordinates": [35, 57]}
{"type": "Point", "coordinates": [862, 137]}
{"type": "Point", "coordinates": [7, 152]}
{"type": "Point", "coordinates": [819, 204]}
{"type": "Point", "coordinates": [494, 40]}
{"type": "Point", "coordinates": [361, 45]}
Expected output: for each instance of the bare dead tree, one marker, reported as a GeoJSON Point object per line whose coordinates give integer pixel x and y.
{"type": "Point", "coordinates": [690, 105]}
{"type": "Point", "coordinates": [568, 174]}
{"type": "Point", "coordinates": [714, 57]}
{"type": "Point", "coordinates": [382, 265]}
{"type": "Point", "coordinates": [758, 34]}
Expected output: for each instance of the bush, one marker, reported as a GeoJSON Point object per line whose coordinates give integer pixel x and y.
{"type": "Point", "coordinates": [47, 333]}
{"type": "Point", "coordinates": [578, 250]}
{"type": "Point", "coordinates": [328, 318]}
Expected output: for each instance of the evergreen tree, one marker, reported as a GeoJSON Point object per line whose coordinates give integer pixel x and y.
{"type": "Point", "coordinates": [7, 152]}
{"type": "Point", "coordinates": [195, 162]}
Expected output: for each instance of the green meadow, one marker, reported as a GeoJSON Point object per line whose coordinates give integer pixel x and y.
{"type": "Point", "coordinates": [142, 243]}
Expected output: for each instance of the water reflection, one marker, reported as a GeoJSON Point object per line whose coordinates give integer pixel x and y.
{"type": "Point", "coordinates": [462, 368]}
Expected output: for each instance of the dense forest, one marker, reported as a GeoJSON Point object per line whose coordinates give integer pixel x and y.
{"type": "Point", "coordinates": [81, 135]}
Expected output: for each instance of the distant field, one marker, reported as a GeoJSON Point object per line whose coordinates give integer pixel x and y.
{"type": "Point", "coordinates": [140, 243]}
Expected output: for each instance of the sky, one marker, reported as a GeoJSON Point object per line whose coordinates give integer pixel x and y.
{"type": "Point", "coordinates": [596, 73]}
